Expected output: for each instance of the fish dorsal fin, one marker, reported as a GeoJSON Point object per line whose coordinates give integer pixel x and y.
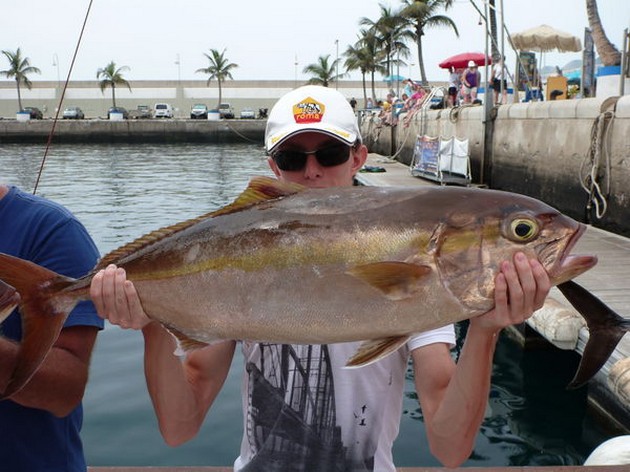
{"type": "Point", "coordinates": [260, 189]}
{"type": "Point", "coordinates": [396, 280]}
{"type": "Point", "coordinates": [376, 349]}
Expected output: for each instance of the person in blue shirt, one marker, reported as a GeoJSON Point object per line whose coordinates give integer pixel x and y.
{"type": "Point", "coordinates": [40, 424]}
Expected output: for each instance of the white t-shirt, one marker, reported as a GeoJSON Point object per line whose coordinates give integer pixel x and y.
{"type": "Point", "coordinates": [499, 71]}
{"type": "Point", "coordinates": [303, 410]}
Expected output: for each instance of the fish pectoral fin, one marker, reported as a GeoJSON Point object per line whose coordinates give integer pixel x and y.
{"type": "Point", "coordinates": [396, 280]}
{"type": "Point", "coordinates": [185, 344]}
{"type": "Point", "coordinates": [376, 349]}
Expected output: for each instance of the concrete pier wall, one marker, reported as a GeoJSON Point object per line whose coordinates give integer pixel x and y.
{"type": "Point", "coordinates": [133, 131]}
{"type": "Point", "coordinates": [541, 149]}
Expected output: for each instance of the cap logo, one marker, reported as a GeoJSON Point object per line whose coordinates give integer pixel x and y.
{"type": "Point", "coordinates": [308, 110]}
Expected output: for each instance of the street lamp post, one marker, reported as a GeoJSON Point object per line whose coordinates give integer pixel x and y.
{"type": "Point", "coordinates": [179, 68]}
{"type": "Point", "coordinates": [337, 64]}
{"type": "Point", "coordinates": [55, 63]}
{"type": "Point", "coordinates": [178, 90]}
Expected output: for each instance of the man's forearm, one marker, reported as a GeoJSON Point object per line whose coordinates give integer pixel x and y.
{"type": "Point", "coordinates": [462, 410]}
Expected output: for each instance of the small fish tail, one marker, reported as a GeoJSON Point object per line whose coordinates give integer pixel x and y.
{"type": "Point", "coordinates": [34, 290]}
{"type": "Point", "coordinates": [9, 299]}
{"type": "Point", "coordinates": [606, 328]}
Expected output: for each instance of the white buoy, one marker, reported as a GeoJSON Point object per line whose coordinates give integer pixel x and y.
{"type": "Point", "coordinates": [615, 451]}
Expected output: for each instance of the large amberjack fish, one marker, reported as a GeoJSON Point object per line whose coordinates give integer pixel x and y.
{"type": "Point", "coordinates": [286, 264]}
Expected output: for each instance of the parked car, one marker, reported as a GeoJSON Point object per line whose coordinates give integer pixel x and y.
{"type": "Point", "coordinates": [162, 110]}
{"type": "Point", "coordinates": [247, 114]}
{"type": "Point", "coordinates": [35, 113]}
{"type": "Point", "coordinates": [73, 113]}
{"type": "Point", "coordinates": [226, 111]}
{"type": "Point", "coordinates": [140, 113]}
{"type": "Point", "coordinates": [199, 111]}
{"type": "Point", "coordinates": [122, 110]}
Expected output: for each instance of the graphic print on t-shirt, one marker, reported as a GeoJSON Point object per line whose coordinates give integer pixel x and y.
{"type": "Point", "coordinates": [291, 421]}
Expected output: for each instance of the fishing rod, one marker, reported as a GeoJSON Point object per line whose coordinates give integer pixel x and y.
{"type": "Point", "coordinates": [63, 93]}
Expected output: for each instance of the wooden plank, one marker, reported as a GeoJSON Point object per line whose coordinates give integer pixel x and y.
{"type": "Point", "coordinates": [571, 468]}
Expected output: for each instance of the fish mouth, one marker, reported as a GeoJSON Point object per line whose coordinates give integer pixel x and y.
{"type": "Point", "coordinates": [570, 265]}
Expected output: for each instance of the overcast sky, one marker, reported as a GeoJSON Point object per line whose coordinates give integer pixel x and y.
{"type": "Point", "coordinates": [265, 38]}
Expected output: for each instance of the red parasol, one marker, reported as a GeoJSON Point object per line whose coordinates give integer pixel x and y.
{"type": "Point", "coordinates": [460, 61]}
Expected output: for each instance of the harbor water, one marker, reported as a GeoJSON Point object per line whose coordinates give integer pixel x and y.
{"type": "Point", "coordinates": [121, 192]}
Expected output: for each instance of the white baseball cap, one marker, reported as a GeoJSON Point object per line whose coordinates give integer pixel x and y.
{"type": "Point", "coordinates": [311, 108]}
{"type": "Point", "coordinates": [472, 64]}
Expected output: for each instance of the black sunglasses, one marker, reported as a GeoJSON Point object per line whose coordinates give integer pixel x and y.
{"type": "Point", "coordinates": [293, 160]}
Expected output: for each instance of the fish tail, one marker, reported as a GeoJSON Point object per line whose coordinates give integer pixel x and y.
{"type": "Point", "coordinates": [605, 327]}
{"type": "Point", "coordinates": [35, 290]}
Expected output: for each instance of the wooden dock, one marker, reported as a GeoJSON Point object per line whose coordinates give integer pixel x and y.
{"type": "Point", "coordinates": [557, 321]}
{"type": "Point", "coordinates": [572, 468]}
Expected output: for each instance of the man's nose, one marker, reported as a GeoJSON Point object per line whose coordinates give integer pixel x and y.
{"type": "Point", "coordinates": [312, 167]}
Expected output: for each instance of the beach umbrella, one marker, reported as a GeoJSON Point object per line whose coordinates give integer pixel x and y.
{"type": "Point", "coordinates": [574, 77]}
{"type": "Point", "coordinates": [394, 78]}
{"type": "Point", "coordinates": [544, 38]}
{"type": "Point", "coordinates": [460, 61]}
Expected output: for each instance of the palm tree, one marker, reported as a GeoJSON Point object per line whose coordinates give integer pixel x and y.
{"type": "Point", "coordinates": [220, 68]}
{"type": "Point", "coordinates": [366, 57]}
{"type": "Point", "coordinates": [19, 68]}
{"type": "Point", "coordinates": [358, 59]}
{"type": "Point", "coordinates": [608, 53]}
{"type": "Point", "coordinates": [422, 15]}
{"type": "Point", "coordinates": [111, 77]}
{"type": "Point", "coordinates": [391, 33]}
{"type": "Point", "coordinates": [494, 36]}
{"type": "Point", "coordinates": [323, 71]}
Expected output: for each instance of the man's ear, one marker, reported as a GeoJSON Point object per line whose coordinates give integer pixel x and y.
{"type": "Point", "coordinates": [359, 156]}
{"type": "Point", "coordinates": [273, 166]}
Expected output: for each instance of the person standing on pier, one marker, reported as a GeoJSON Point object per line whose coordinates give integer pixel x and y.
{"type": "Point", "coordinates": [471, 77]}
{"type": "Point", "coordinates": [302, 410]}
{"type": "Point", "coordinates": [40, 424]}
{"type": "Point", "coordinates": [499, 82]}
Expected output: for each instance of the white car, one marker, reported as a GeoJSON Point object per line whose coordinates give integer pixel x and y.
{"type": "Point", "coordinates": [162, 110]}
{"type": "Point", "coordinates": [247, 114]}
{"type": "Point", "coordinates": [225, 111]}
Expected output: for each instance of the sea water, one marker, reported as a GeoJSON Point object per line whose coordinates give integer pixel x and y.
{"type": "Point", "coordinates": [121, 192]}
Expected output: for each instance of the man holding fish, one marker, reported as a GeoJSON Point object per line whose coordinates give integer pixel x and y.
{"type": "Point", "coordinates": [303, 409]}
{"type": "Point", "coordinates": [40, 424]}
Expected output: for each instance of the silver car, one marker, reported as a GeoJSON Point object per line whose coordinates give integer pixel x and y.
{"type": "Point", "coordinates": [248, 114]}
{"type": "Point", "coordinates": [73, 113]}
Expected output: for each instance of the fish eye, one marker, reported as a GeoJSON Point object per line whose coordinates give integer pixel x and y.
{"type": "Point", "coordinates": [523, 229]}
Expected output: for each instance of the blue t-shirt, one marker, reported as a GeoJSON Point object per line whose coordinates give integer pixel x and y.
{"type": "Point", "coordinates": [41, 231]}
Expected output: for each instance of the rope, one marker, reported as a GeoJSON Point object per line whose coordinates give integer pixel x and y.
{"type": "Point", "coordinates": [241, 134]}
{"type": "Point", "coordinates": [590, 166]}
{"type": "Point", "coordinates": [453, 114]}
{"type": "Point", "coordinates": [63, 93]}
